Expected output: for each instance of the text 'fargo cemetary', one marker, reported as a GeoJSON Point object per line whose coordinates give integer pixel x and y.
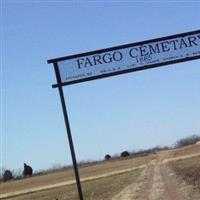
{"type": "Point", "coordinates": [128, 58]}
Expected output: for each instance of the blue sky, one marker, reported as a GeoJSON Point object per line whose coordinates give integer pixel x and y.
{"type": "Point", "coordinates": [126, 112]}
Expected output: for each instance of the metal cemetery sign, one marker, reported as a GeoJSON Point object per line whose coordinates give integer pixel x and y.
{"type": "Point", "coordinates": [128, 58]}
{"type": "Point", "coordinates": [118, 60]}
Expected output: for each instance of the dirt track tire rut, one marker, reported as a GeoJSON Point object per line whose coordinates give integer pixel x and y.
{"type": "Point", "coordinates": [157, 182]}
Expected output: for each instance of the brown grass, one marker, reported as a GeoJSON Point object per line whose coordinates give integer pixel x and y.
{"type": "Point", "coordinates": [191, 149]}
{"type": "Point", "coordinates": [188, 170]}
{"type": "Point", "coordinates": [100, 189]}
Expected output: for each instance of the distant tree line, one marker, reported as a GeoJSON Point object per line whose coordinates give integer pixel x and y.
{"type": "Point", "coordinates": [193, 139]}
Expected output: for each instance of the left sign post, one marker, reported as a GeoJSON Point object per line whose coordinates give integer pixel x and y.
{"type": "Point", "coordinates": [71, 145]}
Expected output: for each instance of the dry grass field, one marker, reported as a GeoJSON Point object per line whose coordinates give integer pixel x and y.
{"type": "Point", "coordinates": [103, 188]}
{"type": "Point", "coordinates": [165, 175]}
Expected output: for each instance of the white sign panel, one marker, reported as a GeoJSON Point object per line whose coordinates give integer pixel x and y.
{"type": "Point", "coordinates": [128, 58]}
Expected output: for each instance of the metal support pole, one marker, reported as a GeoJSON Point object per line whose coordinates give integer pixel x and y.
{"type": "Point", "coordinates": [64, 108]}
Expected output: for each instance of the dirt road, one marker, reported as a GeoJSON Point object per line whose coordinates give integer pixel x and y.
{"type": "Point", "coordinates": [157, 182]}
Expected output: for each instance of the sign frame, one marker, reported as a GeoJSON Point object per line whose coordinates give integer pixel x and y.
{"type": "Point", "coordinates": [59, 84]}
{"type": "Point", "coordinates": [65, 58]}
